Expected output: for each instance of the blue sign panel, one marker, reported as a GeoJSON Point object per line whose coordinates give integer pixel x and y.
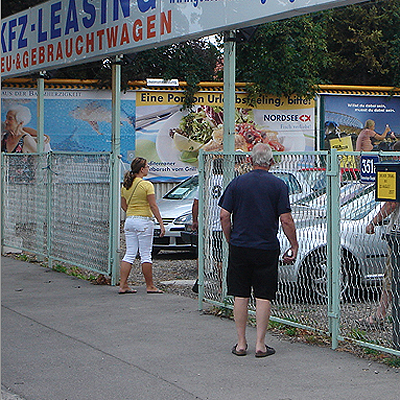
{"type": "Point", "coordinates": [367, 164]}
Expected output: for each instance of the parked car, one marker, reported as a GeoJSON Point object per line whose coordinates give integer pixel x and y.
{"type": "Point", "coordinates": [176, 205]}
{"type": "Point", "coordinates": [176, 211]}
{"type": "Point", "coordinates": [363, 256]}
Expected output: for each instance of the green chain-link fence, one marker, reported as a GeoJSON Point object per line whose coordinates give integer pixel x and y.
{"type": "Point", "coordinates": [336, 281]}
{"type": "Point", "coordinates": [57, 206]}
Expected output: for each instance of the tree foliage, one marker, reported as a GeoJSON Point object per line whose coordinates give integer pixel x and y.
{"type": "Point", "coordinates": [353, 45]}
{"type": "Point", "coordinates": [284, 57]}
{"type": "Point", "coordinates": [363, 43]}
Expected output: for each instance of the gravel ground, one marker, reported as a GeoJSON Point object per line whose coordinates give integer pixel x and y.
{"type": "Point", "coordinates": [170, 266]}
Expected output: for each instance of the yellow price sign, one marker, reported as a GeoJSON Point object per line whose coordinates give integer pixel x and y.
{"type": "Point", "coordinates": [386, 185]}
{"type": "Point", "coordinates": [344, 144]}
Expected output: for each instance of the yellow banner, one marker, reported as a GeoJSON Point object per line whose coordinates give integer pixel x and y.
{"type": "Point", "coordinates": [216, 98]}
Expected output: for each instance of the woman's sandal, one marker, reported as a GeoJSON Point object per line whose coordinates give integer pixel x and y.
{"type": "Point", "coordinates": [370, 322]}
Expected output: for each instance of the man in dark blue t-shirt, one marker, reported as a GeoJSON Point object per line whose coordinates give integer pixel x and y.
{"type": "Point", "coordinates": [251, 207]}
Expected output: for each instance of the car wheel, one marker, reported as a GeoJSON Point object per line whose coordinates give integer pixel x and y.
{"type": "Point", "coordinates": [313, 277]}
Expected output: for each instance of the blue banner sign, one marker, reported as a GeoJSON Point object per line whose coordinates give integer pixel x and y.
{"type": "Point", "coordinates": [367, 166]}
{"type": "Point", "coordinates": [59, 32]}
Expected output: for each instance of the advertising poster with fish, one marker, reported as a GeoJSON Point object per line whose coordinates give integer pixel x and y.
{"type": "Point", "coordinates": [77, 120]}
{"type": "Point", "coordinates": [345, 115]}
{"type": "Point", "coordinates": [171, 138]}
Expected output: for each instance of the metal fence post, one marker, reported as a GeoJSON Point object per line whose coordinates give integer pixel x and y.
{"type": "Point", "coordinates": [49, 208]}
{"type": "Point", "coordinates": [228, 175]}
{"type": "Point", "coordinates": [200, 243]}
{"type": "Point", "coordinates": [2, 186]}
{"type": "Point", "coordinates": [41, 168]}
{"type": "Point", "coordinates": [333, 245]}
{"type": "Point", "coordinates": [115, 173]}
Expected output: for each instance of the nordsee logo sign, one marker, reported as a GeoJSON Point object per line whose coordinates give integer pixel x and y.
{"type": "Point", "coordinates": [287, 117]}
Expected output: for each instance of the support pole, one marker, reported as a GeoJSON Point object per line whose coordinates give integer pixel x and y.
{"type": "Point", "coordinates": [333, 250]}
{"type": "Point", "coordinates": [41, 172]}
{"type": "Point", "coordinates": [115, 172]}
{"type": "Point", "coordinates": [2, 193]}
{"type": "Point", "coordinates": [229, 91]}
{"type": "Point", "coordinates": [40, 113]}
{"type": "Point", "coordinates": [229, 128]}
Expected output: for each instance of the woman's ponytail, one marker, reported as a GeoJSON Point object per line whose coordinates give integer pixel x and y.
{"type": "Point", "coordinates": [137, 164]}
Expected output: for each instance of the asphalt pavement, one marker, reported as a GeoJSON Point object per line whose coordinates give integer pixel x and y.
{"type": "Point", "coordinates": [66, 339]}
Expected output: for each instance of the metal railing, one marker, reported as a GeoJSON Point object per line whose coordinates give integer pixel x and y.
{"type": "Point", "coordinates": [336, 282]}
{"type": "Point", "coordinates": [57, 206]}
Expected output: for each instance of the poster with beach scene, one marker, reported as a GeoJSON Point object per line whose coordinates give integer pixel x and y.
{"type": "Point", "coordinates": [345, 115]}
{"type": "Point", "coordinates": [77, 120]}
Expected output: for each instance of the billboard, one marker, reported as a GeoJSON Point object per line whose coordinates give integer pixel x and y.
{"type": "Point", "coordinates": [346, 114]}
{"type": "Point", "coordinates": [154, 126]}
{"type": "Point", "coordinates": [60, 32]}
{"type": "Point", "coordinates": [170, 139]}
{"type": "Point", "coordinates": [77, 120]}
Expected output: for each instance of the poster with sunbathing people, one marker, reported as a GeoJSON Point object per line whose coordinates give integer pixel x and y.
{"type": "Point", "coordinates": [346, 116]}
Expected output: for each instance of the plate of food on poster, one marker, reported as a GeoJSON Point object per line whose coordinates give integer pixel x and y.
{"type": "Point", "coordinates": [184, 134]}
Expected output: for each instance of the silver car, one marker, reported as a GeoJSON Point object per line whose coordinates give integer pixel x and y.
{"type": "Point", "coordinates": [176, 205]}
{"type": "Point", "coordinates": [363, 256]}
{"type": "Point", "coordinates": [176, 211]}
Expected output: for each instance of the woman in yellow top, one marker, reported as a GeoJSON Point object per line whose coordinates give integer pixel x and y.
{"type": "Point", "coordinates": [139, 202]}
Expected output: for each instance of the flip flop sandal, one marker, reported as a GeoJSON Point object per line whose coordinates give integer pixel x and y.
{"type": "Point", "coordinates": [239, 352]}
{"type": "Point", "coordinates": [268, 352]}
{"type": "Point", "coordinates": [130, 291]}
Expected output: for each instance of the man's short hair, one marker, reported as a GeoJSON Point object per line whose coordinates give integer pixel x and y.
{"type": "Point", "coordinates": [261, 155]}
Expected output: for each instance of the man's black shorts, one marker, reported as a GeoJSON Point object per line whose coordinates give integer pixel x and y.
{"type": "Point", "coordinates": [252, 268]}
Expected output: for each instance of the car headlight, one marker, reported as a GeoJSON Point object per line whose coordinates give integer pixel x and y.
{"type": "Point", "coordinates": [183, 219]}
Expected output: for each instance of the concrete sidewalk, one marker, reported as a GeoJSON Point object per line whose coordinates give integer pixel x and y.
{"type": "Point", "coordinates": [63, 338]}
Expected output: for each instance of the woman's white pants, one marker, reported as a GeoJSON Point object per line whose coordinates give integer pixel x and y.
{"type": "Point", "coordinates": [138, 236]}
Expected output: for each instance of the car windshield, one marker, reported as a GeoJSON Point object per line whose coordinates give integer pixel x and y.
{"type": "Point", "coordinates": [316, 178]}
{"type": "Point", "coordinates": [185, 190]}
{"type": "Point", "coordinates": [348, 192]}
{"type": "Point", "coordinates": [290, 180]}
{"type": "Point", "coordinates": [361, 206]}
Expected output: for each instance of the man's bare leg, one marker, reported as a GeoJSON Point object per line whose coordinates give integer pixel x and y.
{"type": "Point", "coordinates": [263, 312]}
{"type": "Point", "coordinates": [240, 313]}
